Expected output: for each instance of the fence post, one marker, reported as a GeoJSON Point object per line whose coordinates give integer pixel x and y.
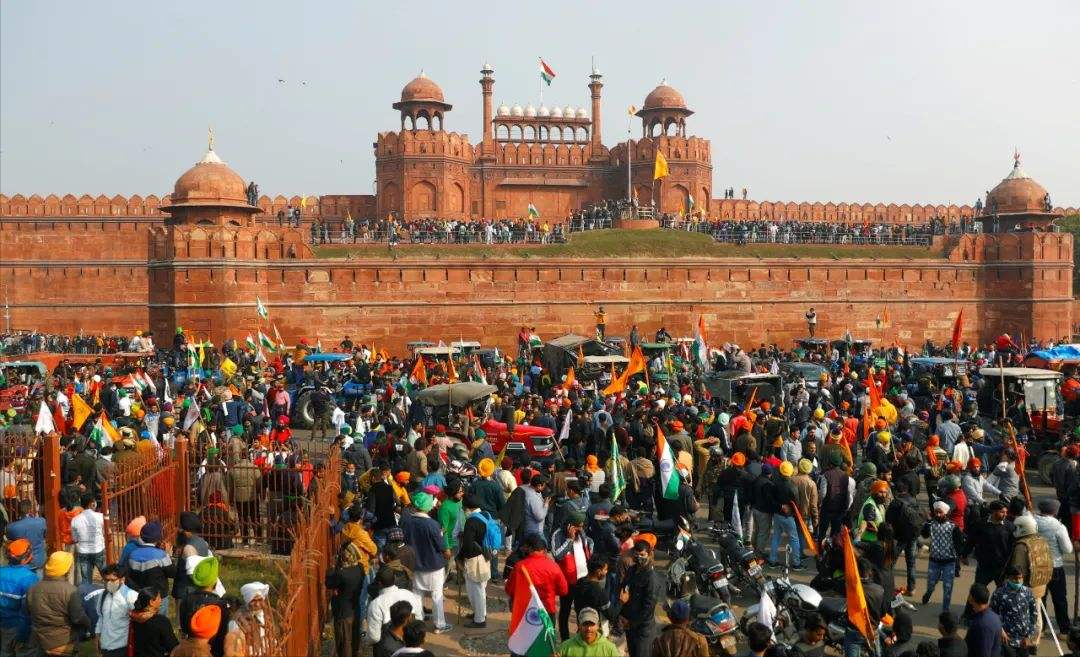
{"type": "Point", "coordinates": [183, 488]}
{"type": "Point", "coordinates": [106, 525]}
{"type": "Point", "coordinates": [50, 507]}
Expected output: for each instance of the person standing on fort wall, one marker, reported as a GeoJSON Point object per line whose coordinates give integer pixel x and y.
{"type": "Point", "coordinates": [601, 321]}
{"type": "Point", "coordinates": [811, 321]}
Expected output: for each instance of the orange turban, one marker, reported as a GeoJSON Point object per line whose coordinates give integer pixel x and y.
{"type": "Point", "coordinates": [933, 441]}
{"type": "Point", "coordinates": [738, 459]}
{"type": "Point", "coordinates": [591, 463]}
{"type": "Point", "coordinates": [135, 526]}
{"type": "Point", "coordinates": [879, 486]}
{"type": "Point", "coordinates": [953, 467]}
{"type": "Point", "coordinates": [648, 537]}
{"type": "Point", "coordinates": [205, 622]}
{"type": "Point", "coordinates": [403, 477]}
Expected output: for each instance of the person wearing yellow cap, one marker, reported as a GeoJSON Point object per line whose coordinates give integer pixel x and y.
{"type": "Point", "coordinates": [783, 520]}
{"type": "Point", "coordinates": [872, 512]}
{"type": "Point", "coordinates": [55, 606]}
{"type": "Point", "coordinates": [806, 493]}
{"type": "Point", "coordinates": [491, 500]}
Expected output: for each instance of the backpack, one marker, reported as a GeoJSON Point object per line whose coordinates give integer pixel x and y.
{"type": "Point", "coordinates": [493, 537]}
{"type": "Point", "coordinates": [905, 518]}
{"type": "Point", "coordinates": [1041, 566]}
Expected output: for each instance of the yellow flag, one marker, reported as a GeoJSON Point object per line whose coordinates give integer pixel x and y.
{"type": "Point", "coordinates": [303, 202]}
{"type": "Point", "coordinates": [80, 410]}
{"type": "Point", "coordinates": [228, 368]}
{"type": "Point", "coordinates": [660, 169]}
{"type": "Point", "coordinates": [202, 353]}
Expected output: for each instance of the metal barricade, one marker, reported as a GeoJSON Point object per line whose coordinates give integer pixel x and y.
{"type": "Point", "coordinates": [144, 485]}
{"type": "Point", "coordinates": [31, 471]}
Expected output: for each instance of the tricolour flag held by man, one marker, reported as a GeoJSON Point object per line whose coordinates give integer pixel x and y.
{"type": "Point", "coordinates": [618, 478]}
{"type": "Point", "coordinates": [250, 343]}
{"type": "Point", "coordinates": [857, 611]}
{"type": "Point", "coordinates": [191, 416]}
{"type": "Point", "coordinates": [701, 345]}
{"type": "Point", "coordinates": [261, 309]}
{"type": "Point", "coordinates": [660, 167]}
{"type": "Point", "coordinates": [669, 475]}
{"type": "Point", "coordinates": [689, 203]}
{"type": "Point", "coordinates": [80, 411]}
{"type": "Point", "coordinates": [532, 633]}
{"type": "Point", "coordinates": [533, 212]}
{"type": "Point", "coordinates": [547, 74]}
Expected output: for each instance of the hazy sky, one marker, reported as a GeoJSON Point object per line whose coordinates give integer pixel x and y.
{"type": "Point", "coordinates": [867, 101]}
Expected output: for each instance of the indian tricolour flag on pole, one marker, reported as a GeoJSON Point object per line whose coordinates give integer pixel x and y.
{"type": "Point", "coordinates": [532, 633]}
{"type": "Point", "coordinates": [547, 74]}
{"type": "Point", "coordinates": [250, 342]}
{"type": "Point", "coordinates": [263, 312]}
{"type": "Point", "coordinates": [618, 480]}
{"type": "Point", "coordinates": [533, 212]}
{"type": "Point", "coordinates": [689, 203]}
{"type": "Point", "coordinates": [701, 345]}
{"type": "Point", "coordinates": [669, 476]}
{"type": "Point", "coordinates": [266, 342]}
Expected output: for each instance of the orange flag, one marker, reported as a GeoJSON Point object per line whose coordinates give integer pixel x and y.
{"type": "Point", "coordinates": [872, 390]}
{"type": "Point", "coordinates": [858, 612]}
{"type": "Point", "coordinates": [957, 329]}
{"type": "Point", "coordinates": [637, 362]}
{"type": "Point", "coordinates": [451, 371]}
{"type": "Point", "coordinates": [80, 411]}
{"type": "Point", "coordinates": [59, 420]}
{"type": "Point", "coordinates": [617, 385]}
{"type": "Point", "coordinates": [569, 382]}
{"type": "Point", "coordinates": [885, 316]}
{"type": "Point", "coordinates": [419, 372]}
{"type": "Point", "coordinates": [804, 531]}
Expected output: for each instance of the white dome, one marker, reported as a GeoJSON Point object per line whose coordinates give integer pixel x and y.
{"type": "Point", "coordinates": [517, 111]}
{"type": "Point", "coordinates": [543, 111]}
{"type": "Point", "coordinates": [503, 110]}
{"type": "Point", "coordinates": [556, 112]}
{"type": "Point", "coordinates": [530, 111]}
{"type": "Point", "coordinates": [581, 113]}
{"type": "Point", "coordinates": [569, 111]}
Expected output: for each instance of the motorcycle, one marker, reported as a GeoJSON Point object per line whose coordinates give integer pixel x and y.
{"type": "Point", "coordinates": [691, 557]}
{"type": "Point", "coordinates": [795, 603]}
{"type": "Point", "coordinates": [710, 616]}
{"type": "Point", "coordinates": [739, 560]}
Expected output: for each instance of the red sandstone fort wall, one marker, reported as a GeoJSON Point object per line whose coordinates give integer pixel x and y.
{"type": "Point", "coordinates": [365, 206]}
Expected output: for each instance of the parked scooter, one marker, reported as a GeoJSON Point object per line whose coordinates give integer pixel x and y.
{"type": "Point", "coordinates": [710, 617]}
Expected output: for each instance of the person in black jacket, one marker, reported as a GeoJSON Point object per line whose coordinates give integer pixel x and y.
{"type": "Point", "coordinates": [152, 633]}
{"type": "Point", "coordinates": [906, 520]}
{"type": "Point", "coordinates": [344, 583]}
{"type": "Point", "coordinates": [783, 520]}
{"type": "Point", "coordinates": [472, 547]}
{"type": "Point", "coordinates": [990, 542]}
{"type": "Point", "coordinates": [382, 501]}
{"type": "Point", "coordinates": [643, 589]}
{"type": "Point", "coordinates": [590, 592]}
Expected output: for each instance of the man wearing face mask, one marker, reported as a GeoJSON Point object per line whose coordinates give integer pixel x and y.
{"type": "Point", "coordinates": [646, 588]}
{"type": "Point", "coordinates": [114, 614]}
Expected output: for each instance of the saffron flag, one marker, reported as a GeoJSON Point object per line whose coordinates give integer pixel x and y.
{"type": "Point", "coordinates": [957, 330]}
{"type": "Point", "coordinates": [80, 411]}
{"type": "Point", "coordinates": [637, 363]}
{"type": "Point", "coordinates": [419, 372]}
{"type": "Point", "coordinates": [547, 74]}
{"type": "Point", "coordinates": [669, 476]}
{"type": "Point", "coordinates": [660, 167]}
{"type": "Point", "coordinates": [873, 392]}
{"type": "Point", "coordinates": [885, 316]}
{"type": "Point", "coordinates": [44, 420]}
{"type": "Point", "coordinates": [858, 613]}
{"type": "Point", "coordinates": [618, 383]}
{"type": "Point", "coordinates": [568, 382]}
{"type": "Point", "coordinates": [618, 478]}
{"type": "Point", "coordinates": [532, 633]}
{"type": "Point", "coordinates": [533, 212]}
{"type": "Point", "coordinates": [261, 309]}
{"type": "Point", "coordinates": [59, 419]}
{"type": "Point", "coordinates": [804, 531]}
{"type": "Point", "coordinates": [108, 429]}
{"type": "Point", "coordinates": [451, 371]}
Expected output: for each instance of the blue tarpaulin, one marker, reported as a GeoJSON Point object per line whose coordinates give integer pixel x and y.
{"type": "Point", "coordinates": [1060, 352]}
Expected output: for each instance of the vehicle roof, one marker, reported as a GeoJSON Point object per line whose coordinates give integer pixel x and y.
{"type": "Point", "coordinates": [738, 374]}
{"type": "Point", "coordinates": [438, 351]}
{"type": "Point", "coordinates": [419, 343]}
{"type": "Point", "coordinates": [657, 345]}
{"type": "Point", "coordinates": [465, 343]}
{"type": "Point", "coordinates": [607, 359]}
{"type": "Point", "coordinates": [327, 357]}
{"type": "Point", "coordinates": [817, 341]}
{"type": "Point", "coordinates": [569, 340]}
{"type": "Point", "coordinates": [1021, 372]}
{"type": "Point", "coordinates": [22, 363]}
{"type": "Point", "coordinates": [935, 360]}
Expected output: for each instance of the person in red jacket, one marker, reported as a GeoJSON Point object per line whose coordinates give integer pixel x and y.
{"type": "Point", "coordinates": [545, 574]}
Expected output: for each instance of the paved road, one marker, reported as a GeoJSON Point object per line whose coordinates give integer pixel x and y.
{"type": "Point", "coordinates": [492, 640]}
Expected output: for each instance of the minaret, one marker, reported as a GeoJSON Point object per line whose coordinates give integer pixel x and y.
{"type": "Point", "coordinates": [594, 86]}
{"type": "Point", "coordinates": [487, 84]}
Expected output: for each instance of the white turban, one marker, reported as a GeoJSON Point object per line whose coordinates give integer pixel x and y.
{"type": "Point", "coordinates": [253, 590]}
{"type": "Point", "coordinates": [941, 506]}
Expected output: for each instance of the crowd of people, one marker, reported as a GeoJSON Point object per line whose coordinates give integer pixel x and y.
{"type": "Point", "coordinates": [435, 231]}
{"type": "Point", "coordinates": [893, 455]}
{"type": "Point", "coordinates": [29, 342]}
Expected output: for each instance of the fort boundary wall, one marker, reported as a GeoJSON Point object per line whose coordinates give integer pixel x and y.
{"type": "Point", "coordinates": [117, 276]}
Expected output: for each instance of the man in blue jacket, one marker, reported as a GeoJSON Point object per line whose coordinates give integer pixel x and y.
{"type": "Point", "coordinates": [16, 578]}
{"type": "Point", "coordinates": [31, 527]}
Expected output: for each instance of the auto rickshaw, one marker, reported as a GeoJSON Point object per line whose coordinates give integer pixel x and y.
{"type": "Point", "coordinates": [733, 386]}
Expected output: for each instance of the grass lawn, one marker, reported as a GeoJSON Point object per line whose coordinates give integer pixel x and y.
{"type": "Point", "coordinates": [628, 244]}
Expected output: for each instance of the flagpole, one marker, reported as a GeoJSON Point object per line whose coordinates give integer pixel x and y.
{"type": "Point", "coordinates": [629, 180]}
